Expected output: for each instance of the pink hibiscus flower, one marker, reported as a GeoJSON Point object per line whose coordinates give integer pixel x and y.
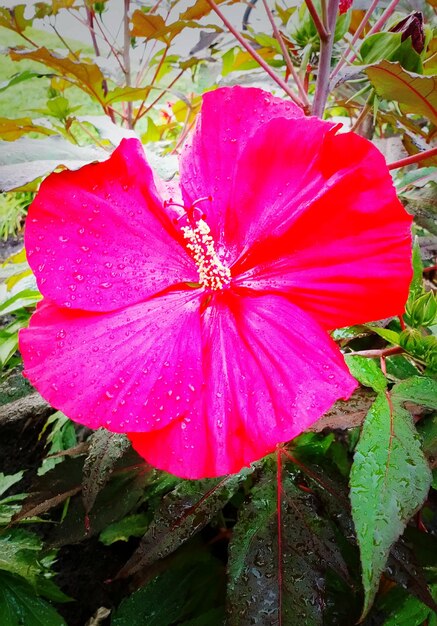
{"type": "Point", "coordinates": [201, 329]}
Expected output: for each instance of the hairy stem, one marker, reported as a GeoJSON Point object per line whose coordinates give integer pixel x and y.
{"type": "Point", "coordinates": [287, 58]}
{"type": "Point", "coordinates": [415, 158]}
{"type": "Point", "coordinates": [254, 54]}
{"type": "Point", "coordinates": [322, 84]}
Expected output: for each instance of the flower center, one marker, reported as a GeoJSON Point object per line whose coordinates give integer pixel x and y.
{"type": "Point", "coordinates": [213, 274]}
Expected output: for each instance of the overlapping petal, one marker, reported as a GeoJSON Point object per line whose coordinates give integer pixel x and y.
{"type": "Point", "coordinates": [229, 120]}
{"type": "Point", "coordinates": [98, 238]}
{"type": "Point", "coordinates": [133, 369]}
{"type": "Point", "coordinates": [314, 215]}
{"type": "Point", "coordinates": [343, 251]}
{"type": "Point", "coordinates": [270, 371]}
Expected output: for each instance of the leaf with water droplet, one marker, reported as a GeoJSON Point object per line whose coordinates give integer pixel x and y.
{"type": "Point", "coordinates": [280, 578]}
{"type": "Point", "coordinates": [182, 513]}
{"type": "Point", "coordinates": [105, 450]}
{"type": "Point", "coordinates": [419, 389]}
{"type": "Point", "coordinates": [389, 482]}
{"type": "Point", "coordinates": [366, 371]}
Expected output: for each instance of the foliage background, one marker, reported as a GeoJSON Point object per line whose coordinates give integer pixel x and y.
{"type": "Point", "coordinates": [338, 524]}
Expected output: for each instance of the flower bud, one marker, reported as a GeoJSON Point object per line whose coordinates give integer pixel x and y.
{"type": "Point", "coordinates": [412, 26]}
{"type": "Point", "coordinates": [422, 311]}
{"type": "Point", "coordinates": [411, 340]}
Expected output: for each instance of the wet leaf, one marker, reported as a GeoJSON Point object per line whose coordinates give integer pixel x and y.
{"type": "Point", "coordinates": [415, 93]}
{"type": "Point", "coordinates": [419, 389]}
{"type": "Point", "coordinates": [389, 481]}
{"type": "Point", "coordinates": [182, 513]}
{"type": "Point", "coordinates": [52, 489]}
{"type": "Point", "coordinates": [105, 450]}
{"type": "Point", "coordinates": [180, 593]}
{"type": "Point", "coordinates": [366, 371]}
{"type": "Point", "coordinates": [280, 578]}
{"type": "Point", "coordinates": [20, 605]}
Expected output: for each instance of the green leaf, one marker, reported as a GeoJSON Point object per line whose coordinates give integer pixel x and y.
{"type": "Point", "coordinates": [8, 481]}
{"type": "Point", "coordinates": [399, 367]}
{"type": "Point", "coordinates": [25, 160]}
{"type": "Point", "coordinates": [387, 334]}
{"type": "Point", "coordinates": [379, 46]}
{"type": "Point", "coordinates": [367, 372]}
{"type": "Point", "coordinates": [20, 606]}
{"type": "Point", "coordinates": [130, 526]}
{"type": "Point", "coordinates": [419, 389]}
{"type": "Point", "coordinates": [408, 610]}
{"type": "Point", "coordinates": [280, 578]}
{"type": "Point", "coordinates": [105, 450]}
{"type": "Point", "coordinates": [415, 93]}
{"type": "Point", "coordinates": [177, 594]}
{"type": "Point", "coordinates": [389, 481]}
{"type": "Point", "coordinates": [20, 77]}
{"type": "Point", "coordinates": [25, 298]}
{"type": "Point", "coordinates": [182, 513]}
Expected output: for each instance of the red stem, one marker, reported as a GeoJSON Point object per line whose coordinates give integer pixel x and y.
{"type": "Point", "coordinates": [254, 54]}
{"type": "Point", "coordinates": [323, 33]}
{"type": "Point", "coordinates": [415, 158]}
{"type": "Point", "coordinates": [322, 85]}
{"type": "Point", "coordinates": [355, 38]}
{"type": "Point", "coordinates": [279, 521]}
{"type": "Point", "coordinates": [287, 58]}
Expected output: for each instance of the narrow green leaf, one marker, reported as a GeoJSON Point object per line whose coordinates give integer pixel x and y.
{"type": "Point", "coordinates": [387, 334]}
{"type": "Point", "coordinates": [105, 450]}
{"type": "Point", "coordinates": [389, 482]}
{"type": "Point", "coordinates": [367, 372]}
{"type": "Point", "coordinates": [182, 513]}
{"type": "Point", "coordinates": [419, 389]}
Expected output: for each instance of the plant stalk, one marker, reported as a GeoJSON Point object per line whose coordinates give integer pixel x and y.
{"type": "Point", "coordinates": [254, 54]}
{"type": "Point", "coordinates": [326, 46]}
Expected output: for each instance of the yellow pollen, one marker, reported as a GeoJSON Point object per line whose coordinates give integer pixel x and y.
{"type": "Point", "coordinates": [212, 272]}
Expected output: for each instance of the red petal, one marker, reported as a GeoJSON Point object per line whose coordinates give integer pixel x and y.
{"type": "Point", "coordinates": [133, 369]}
{"type": "Point", "coordinates": [271, 372]}
{"type": "Point", "coordinates": [98, 238]}
{"type": "Point", "coordinates": [229, 120]}
{"type": "Point", "coordinates": [338, 240]}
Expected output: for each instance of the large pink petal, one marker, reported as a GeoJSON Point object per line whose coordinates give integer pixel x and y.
{"type": "Point", "coordinates": [98, 238]}
{"type": "Point", "coordinates": [132, 369]}
{"type": "Point", "coordinates": [270, 372]}
{"type": "Point", "coordinates": [229, 121]}
{"type": "Point", "coordinates": [341, 248]}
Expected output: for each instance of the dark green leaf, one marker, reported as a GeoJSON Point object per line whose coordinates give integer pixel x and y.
{"type": "Point", "coordinates": [280, 579]}
{"type": "Point", "coordinates": [180, 593]}
{"type": "Point", "coordinates": [131, 526]}
{"type": "Point", "coordinates": [389, 481]}
{"type": "Point", "coordinates": [20, 606]}
{"type": "Point", "coordinates": [105, 450]}
{"type": "Point", "coordinates": [183, 512]}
